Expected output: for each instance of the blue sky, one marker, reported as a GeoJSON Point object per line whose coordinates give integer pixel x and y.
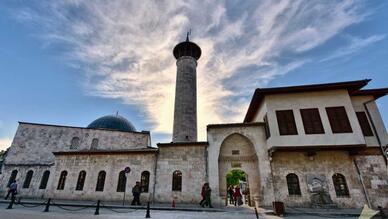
{"type": "Point", "coordinates": [70, 62]}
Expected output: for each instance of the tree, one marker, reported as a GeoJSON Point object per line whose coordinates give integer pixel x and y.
{"type": "Point", "coordinates": [234, 176]}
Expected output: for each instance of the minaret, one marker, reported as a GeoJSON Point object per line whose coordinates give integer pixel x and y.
{"type": "Point", "coordinates": [185, 110]}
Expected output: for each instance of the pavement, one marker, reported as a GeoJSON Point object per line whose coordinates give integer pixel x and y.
{"type": "Point", "coordinates": [33, 209]}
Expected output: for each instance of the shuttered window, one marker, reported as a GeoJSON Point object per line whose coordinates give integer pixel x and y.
{"type": "Point", "coordinates": [267, 131]}
{"type": "Point", "coordinates": [338, 119]}
{"type": "Point", "coordinates": [364, 123]}
{"type": "Point", "coordinates": [312, 121]}
{"type": "Point", "coordinates": [286, 122]}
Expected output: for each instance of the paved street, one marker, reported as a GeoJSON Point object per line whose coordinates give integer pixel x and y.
{"type": "Point", "coordinates": [30, 212]}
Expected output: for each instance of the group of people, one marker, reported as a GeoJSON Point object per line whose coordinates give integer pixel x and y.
{"type": "Point", "coordinates": [235, 196]}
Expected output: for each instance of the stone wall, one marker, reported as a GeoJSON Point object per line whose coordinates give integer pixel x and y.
{"type": "Point", "coordinates": [33, 190]}
{"type": "Point", "coordinates": [255, 134]}
{"type": "Point", "coordinates": [374, 173]}
{"type": "Point", "coordinates": [93, 164]}
{"type": "Point", "coordinates": [34, 143]}
{"type": "Point", "coordinates": [191, 161]}
{"type": "Point", "coordinates": [324, 163]}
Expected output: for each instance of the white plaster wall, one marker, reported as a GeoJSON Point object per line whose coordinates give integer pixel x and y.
{"type": "Point", "coordinates": [261, 112]}
{"type": "Point", "coordinates": [255, 134]}
{"type": "Point", "coordinates": [358, 104]}
{"type": "Point", "coordinates": [34, 144]}
{"type": "Point", "coordinates": [320, 100]}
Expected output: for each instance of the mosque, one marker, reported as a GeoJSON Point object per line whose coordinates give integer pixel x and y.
{"type": "Point", "coordinates": [320, 145]}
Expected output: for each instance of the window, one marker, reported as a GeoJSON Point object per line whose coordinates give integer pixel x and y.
{"type": "Point", "coordinates": [74, 143]}
{"type": "Point", "coordinates": [338, 119]}
{"type": "Point", "coordinates": [12, 177]}
{"type": "Point", "coordinates": [293, 184]}
{"type": "Point", "coordinates": [94, 144]}
{"type": "Point", "coordinates": [235, 152]}
{"type": "Point", "coordinates": [100, 181]}
{"type": "Point", "coordinates": [81, 181]}
{"type": "Point", "coordinates": [44, 180]}
{"type": "Point", "coordinates": [364, 123]}
{"type": "Point", "coordinates": [286, 122]}
{"type": "Point", "coordinates": [27, 181]}
{"type": "Point", "coordinates": [312, 121]}
{"type": "Point", "coordinates": [62, 180]}
{"type": "Point", "coordinates": [145, 181]}
{"type": "Point", "coordinates": [177, 181]}
{"type": "Point", "coordinates": [122, 182]}
{"type": "Point", "coordinates": [341, 189]}
{"type": "Point", "coordinates": [267, 131]}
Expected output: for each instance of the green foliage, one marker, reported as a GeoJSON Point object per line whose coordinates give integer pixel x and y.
{"type": "Point", "coordinates": [234, 176]}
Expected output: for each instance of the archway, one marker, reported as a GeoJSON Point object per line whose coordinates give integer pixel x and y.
{"type": "Point", "coordinates": [237, 179]}
{"type": "Point", "coordinates": [238, 153]}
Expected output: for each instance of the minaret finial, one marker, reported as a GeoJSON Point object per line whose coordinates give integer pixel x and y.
{"type": "Point", "coordinates": [188, 34]}
{"type": "Point", "coordinates": [117, 113]}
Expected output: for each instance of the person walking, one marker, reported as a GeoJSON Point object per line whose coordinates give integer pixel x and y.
{"type": "Point", "coordinates": [237, 196]}
{"type": "Point", "coordinates": [136, 190]}
{"type": "Point", "coordinates": [202, 194]}
{"type": "Point", "coordinates": [12, 190]}
{"type": "Point", "coordinates": [207, 196]}
{"type": "Point", "coordinates": [230, 194]}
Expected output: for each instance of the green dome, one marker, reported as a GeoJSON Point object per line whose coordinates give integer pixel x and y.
{"type": "Point", "coordinates": [112, 122]}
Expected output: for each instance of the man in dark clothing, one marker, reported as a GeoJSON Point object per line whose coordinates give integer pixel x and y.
{"type": "Point", "coordinates": [207, 196]}
{"type": "Point", "coordinates": [136, 190]}
{"type": "Point", "coordinates": [12, 189]}
{"type": "Point", "coordinates": [202, 194]}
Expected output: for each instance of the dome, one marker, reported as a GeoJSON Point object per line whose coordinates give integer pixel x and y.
{"type": "Point", "coordinates": [112, 122]}
{"type": "Point", "coordinates": [187, 48]}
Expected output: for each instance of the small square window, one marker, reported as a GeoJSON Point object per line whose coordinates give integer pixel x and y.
{"type": "Point", "coordinates": [235, 152]}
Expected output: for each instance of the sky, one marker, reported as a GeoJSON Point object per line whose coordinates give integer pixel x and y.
{"type": "Point", "coordinates": [70, 62]}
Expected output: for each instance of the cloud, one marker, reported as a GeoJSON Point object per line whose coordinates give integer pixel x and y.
{"type": "Point", "coordinates": [5, 143]}
{"type": "Point", "coordinates": [125, 47]}
{"type": "Point", "coordinates": [356, 44]}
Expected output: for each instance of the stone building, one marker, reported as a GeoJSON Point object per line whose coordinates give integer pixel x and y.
{"type": "Point", "coordinates": [321, 145]}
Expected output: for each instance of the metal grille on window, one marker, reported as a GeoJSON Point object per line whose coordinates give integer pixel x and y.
{"type": "Point", "coordinates": [27, 181]}
{"type": "Point", "coordinates": [122, 182]}
{"type": "Point", "coordinates": [81, 181]}
{"type": "Point", "coordinates": [43, 182]}
{"type": "Point", "coordinates": [12, 177]}
{"type": "Point", "coordinates": [62, 180]}
{"type": "Point", "coordinates": [145, 181]}
{"type": "Point", "coordinates": [100, 181]}
{"type": "Point", "coordinates": [293, 184]}
{"type": "Point", "coordinates": [340, 186]}
{"type": "Point", "coordinates": [177, 181]}
{"type": "Point", "coordinates": [74, 143]}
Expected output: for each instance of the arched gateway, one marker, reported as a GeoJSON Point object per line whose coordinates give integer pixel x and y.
{"type": "Point", "coordinates": [238, 152]}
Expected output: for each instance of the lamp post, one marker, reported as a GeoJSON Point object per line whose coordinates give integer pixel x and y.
{"type": "Point", "coordinates": [127, 170]}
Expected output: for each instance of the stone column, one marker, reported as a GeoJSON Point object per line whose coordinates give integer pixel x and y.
{"type": "Point", "coordinates": [185, 112]}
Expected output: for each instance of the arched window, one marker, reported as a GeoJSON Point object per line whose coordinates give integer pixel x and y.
{"type": "Point", "coordinates": [81, 181]}
{"type": "Point", "coordinates": [100, 181]}
{"type": "Point", "coordinates": [12, 177]}
{"type": "Point", "coordinates": [27, 181]}
{"type": "Point", "coordinates": [177, 181]}
{"type": "Point", "coordinates": [44, 180]}
{"type": "Point", "coordinates": [62, 180]}
{"type": "Point", "coordinates": [74, 143]}
{"type": "Point", "coordinates": [293, 184]}
{"type": "Point", "coordinates": [94, 144]}
{"type": "Point", "coordinates": [145, 181]}
{"type": "Point", "coordinates": [340, 186]}
{"type": "Point", "coordinates": [122, 182]}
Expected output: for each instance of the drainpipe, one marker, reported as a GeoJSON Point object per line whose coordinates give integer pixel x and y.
{"type": "Point", "coordinates": [362, 183]}
{"type": "Point", "coordinates": [375, 130]}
